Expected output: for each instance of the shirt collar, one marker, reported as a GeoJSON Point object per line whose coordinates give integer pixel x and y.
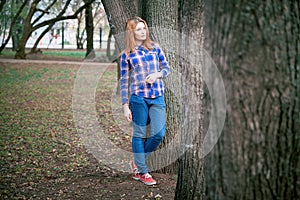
{"type": "Point", "coordinates": [139, 47]}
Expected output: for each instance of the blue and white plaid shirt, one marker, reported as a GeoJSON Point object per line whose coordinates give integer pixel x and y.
{"type": "Point", "coordinates": [136, 66]}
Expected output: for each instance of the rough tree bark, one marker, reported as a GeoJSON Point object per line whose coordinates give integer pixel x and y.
{"type": "Point", "coordinates": [118, 12]}
{"type": "Point", "coordinates": [163, 25]}
{"type": "Point", "coordinates": [256, 45]}
{"type": "Point", "coordinates": [190, 181]}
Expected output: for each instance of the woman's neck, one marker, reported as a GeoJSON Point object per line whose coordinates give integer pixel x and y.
{"type": "Point", "coordinates": [138, 42]}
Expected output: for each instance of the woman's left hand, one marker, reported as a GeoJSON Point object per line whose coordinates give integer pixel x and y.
{"type": "Point", "coordinates": [151, 78]}
{"type": "Point", "coordinates": [127, 112]}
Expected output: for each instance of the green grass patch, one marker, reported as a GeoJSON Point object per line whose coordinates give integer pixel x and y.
{"type": "Point", "coordinates": [53, 53]}
{"type": "Point", "coordinates": [74, 54]}
{"type": "Point", "coordinates": [7, 52]}
{"type": "Point", "coordinates": [58, 53]}
{"type": "Point", "coordinates": [38, 139]}
{"type": "Point", "coordinates": [13, 75]}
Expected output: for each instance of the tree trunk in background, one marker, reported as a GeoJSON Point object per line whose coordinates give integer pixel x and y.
{"type": "Point", "coordinates": [17, 23]}
{"type": "Point", "coordinates": [184, 109]}
{"type": "Point", "coordinates": [80, 33]}
{"type": "Point", "coordinates": [190, 181]}
{"type": "Point", "coordinates": [163, 25]}
{"type": "Point", "coordinates": [20, 51]}
{"type": "Point", "coordinates": [108, 50]}
{"type": "Point", "coordinates": [27, 30]}
{"type": "Point", "coordinates": [90, 53]}
{"type": "Point", "coordinates": [13, 22]}
{"type": "Point", "coordinates": [256, 46]}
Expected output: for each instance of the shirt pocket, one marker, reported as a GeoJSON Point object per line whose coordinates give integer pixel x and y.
{"type": "Point", "coordinates": [151, 56]}
{"type": "Point", "coordinates": [153, 64]}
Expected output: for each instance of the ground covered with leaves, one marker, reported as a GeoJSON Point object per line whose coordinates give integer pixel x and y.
{"type": "Point", "coordinates": [42, 155]}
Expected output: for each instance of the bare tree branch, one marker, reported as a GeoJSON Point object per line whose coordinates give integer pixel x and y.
{"type": "Point", "coordinates": [44, 11]}
{"type": "Point", "coordinates": [59, 18]}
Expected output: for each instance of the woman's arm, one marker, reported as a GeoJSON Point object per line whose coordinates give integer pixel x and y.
{"type": "Point", "coordinates": [163, 64]}
{"type": "Point", "coordinates": [124, 79]}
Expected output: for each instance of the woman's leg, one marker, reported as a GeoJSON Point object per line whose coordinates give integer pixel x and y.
{"type": "Point", "coordinates": [138, 148]}
{"type": "Point", "coordinates": [139, 110]}
{"type": "Point", "coordinates": [157, 114]}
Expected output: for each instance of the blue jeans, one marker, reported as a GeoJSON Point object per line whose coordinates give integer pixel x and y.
{"type": "Point", "coordinates": [147, 111]}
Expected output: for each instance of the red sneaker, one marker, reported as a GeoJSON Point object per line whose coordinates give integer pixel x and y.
{"type": "Point", "coordinates": [134, 170]}
{"type": "Point", "coordinates": [147, 179]}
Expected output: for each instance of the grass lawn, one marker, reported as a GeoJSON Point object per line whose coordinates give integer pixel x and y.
{"type": "Point", "coordinates": [50, 52]}
{"type": "Point", "coordinates": [58, 54]}
{"type": "Point", "coordinates": [37, 136]}
{"type": "Point", "coordinates": [41, 154]}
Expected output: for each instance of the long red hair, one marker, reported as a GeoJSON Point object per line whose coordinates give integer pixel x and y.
{"type": "Point", "coordinates": [129, 36]}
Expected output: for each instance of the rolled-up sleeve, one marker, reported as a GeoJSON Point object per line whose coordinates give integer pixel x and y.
{"type": "Point", "coordinates": [124, 69]}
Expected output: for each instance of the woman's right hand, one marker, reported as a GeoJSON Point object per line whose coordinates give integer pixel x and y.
{"type": "Point", "coordinates": [127, 112]}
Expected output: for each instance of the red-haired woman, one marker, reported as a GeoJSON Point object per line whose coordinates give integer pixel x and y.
{"type": "Point", "coordinates": [143, 66]}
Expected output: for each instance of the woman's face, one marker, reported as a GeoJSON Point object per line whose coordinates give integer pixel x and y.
{"type": "Point", "coordinates": [140, 32]}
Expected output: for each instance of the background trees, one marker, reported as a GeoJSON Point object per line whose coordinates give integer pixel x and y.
{"type": "Point", "coordinates": [28, 17]}
{"type": "Point", "coordinates": [11, 19]}
{"type": "Point", "coordinates": [97, 14]}
{"type": "Point", "coordinates": [89, 24]}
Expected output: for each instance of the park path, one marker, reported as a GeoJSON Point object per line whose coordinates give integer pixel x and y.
{"type": "Point", "coordinates": [6, 60]}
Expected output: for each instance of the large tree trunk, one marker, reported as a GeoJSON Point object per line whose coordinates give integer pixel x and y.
{"type": "Point", "coordinates": [190, 181]}
{"type": "Point", "coordinates": [257, 46]}
{"type": "Point", "coordinates": [27, 30]}
{"type": "Point", "coordinates": [163, 25]}
{"type": "Point", "coordinates": [162, 18]}
{"type": "Point", "coordinates": [20, 51]}
{"type": "Point", "coordinates": [90, 53]}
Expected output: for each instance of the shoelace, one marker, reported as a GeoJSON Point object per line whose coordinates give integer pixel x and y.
{"type": "Point", "coordinates": [136, 171]}
{"type": "Point", "coordinates": [148, 176]}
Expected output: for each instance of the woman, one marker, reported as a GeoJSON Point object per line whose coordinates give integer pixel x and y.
{"type": "Point", "coordinates": [143, 65]}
